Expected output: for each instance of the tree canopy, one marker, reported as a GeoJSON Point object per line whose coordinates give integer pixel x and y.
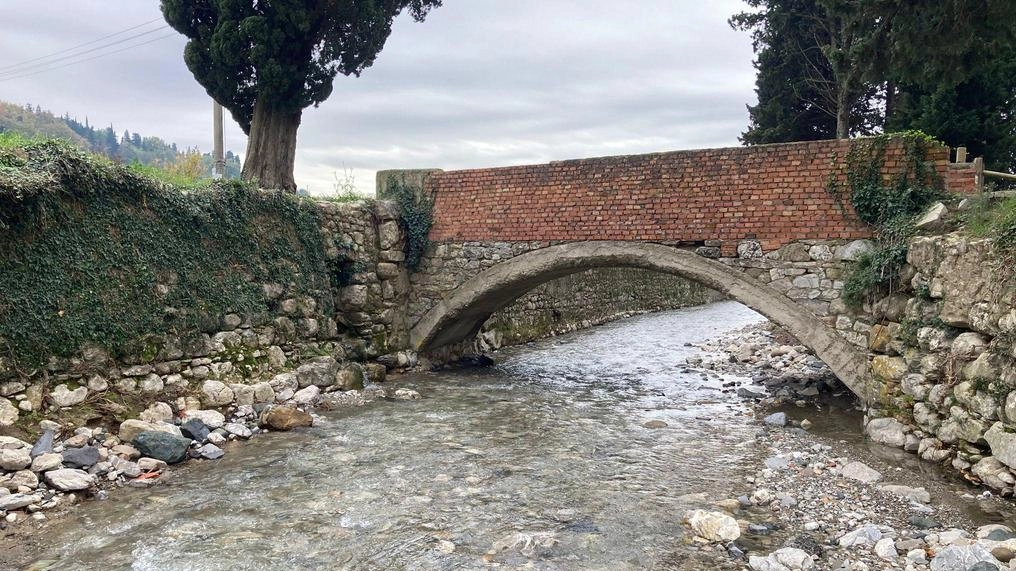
{"type": "Point", "coordinates": [869, 65]}
{"type": "Point", "coordinates": [267, 61]}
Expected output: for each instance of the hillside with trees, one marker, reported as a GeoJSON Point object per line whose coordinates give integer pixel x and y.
{"type": "Point", "coordinates": [125, 147]}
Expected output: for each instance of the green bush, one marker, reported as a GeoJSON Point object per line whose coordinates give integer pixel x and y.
{"type": "Point", "coordinates": [96, 253]}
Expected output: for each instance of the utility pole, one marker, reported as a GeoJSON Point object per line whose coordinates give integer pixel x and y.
{"type": "Point", "coordinates": [219, 169]}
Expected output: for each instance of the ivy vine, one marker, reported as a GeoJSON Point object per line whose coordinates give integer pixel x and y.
{"type": "Point", "coordinates": [417, 217]}
{"type": "Point", "coordinates": [889, 203]}
{"type": "Point", "coordinates": [92, 252]}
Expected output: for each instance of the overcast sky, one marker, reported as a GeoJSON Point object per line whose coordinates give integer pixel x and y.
{"type": "Point", "coordinates": [480, 83]}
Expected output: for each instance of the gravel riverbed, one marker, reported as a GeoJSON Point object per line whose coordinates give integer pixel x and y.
{"type": "Point", "coordinates": [819, 502]}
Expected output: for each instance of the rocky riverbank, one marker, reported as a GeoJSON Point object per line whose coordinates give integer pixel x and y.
{"type": "Point", "coordinates": [817, 503]}
{"type": "Point", "coordinates": [68, 464]}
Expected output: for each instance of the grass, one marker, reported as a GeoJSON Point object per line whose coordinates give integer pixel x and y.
{"type": "Point", "coordinates": [178, 181]}
{"type": "Point", "coordinates": [995, 219]}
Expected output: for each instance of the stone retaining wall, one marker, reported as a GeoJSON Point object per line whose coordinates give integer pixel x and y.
{"type": "Point", "coordinates": [360, 317]}
{"type": "Point", "coordinates": [585, 299]}
{"type": "Point", "coordinates": [944, 369]}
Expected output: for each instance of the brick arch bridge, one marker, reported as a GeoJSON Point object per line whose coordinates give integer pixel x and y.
{"type": "Point", "coordinates": [757, 223]}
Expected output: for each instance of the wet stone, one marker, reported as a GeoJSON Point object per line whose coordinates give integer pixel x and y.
{"type": "Point", "coordinates": [162, 446]}
{"type": "Point", "coordinates": [84, 457]}
{"type": "Point", "coordinates": [195, 429]}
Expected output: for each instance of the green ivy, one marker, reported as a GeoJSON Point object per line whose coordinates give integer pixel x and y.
{"type": "Point", "coordinates": [417, 217]}
{"type": "Point", "coordinates": [95, 253]}
{"type": "Point", "coordinates": [889, 206]}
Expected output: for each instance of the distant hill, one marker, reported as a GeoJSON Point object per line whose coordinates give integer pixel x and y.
{"type": "Point", "coordinates": [127, 147]}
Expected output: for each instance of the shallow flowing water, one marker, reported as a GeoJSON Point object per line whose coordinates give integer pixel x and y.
{"type": "Point", "coordinates": [542, 462]}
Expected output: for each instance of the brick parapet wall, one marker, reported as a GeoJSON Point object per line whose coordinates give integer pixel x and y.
{"type": "Point", "coordinates": [776, 194]}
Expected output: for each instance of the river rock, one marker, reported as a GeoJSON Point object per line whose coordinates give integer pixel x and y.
{"type": "Point", "coordinates": [776, 419]}
{"type": "Point", "coordinates": [211, 418]}
{"type": "Point", "coordinates": [18, 501]}
{"type": "Point", "coordinates": [263, 392]}
{"type": "Point", "coordinates": [195, 429]}
{"type": "Point", "coordinates": [919, 495]}
{"type": "Point", "coordinates": [238, 430]}
{"type": "Point", "coordinates": [125, 467]}
{"type": "Point", "coordinates": [8, 413]}
{"type": "Point", "coordinates": [885, 548]}
{"type": "Point", "coordinates": [243, 394]}
{"type": "Point", "coordinates": [713, 526]}
{"type": "Point", "coordinates": [993, 473]}
{"type": "Point", "coordinates": [44, 444]}
{"type": "Point", "coordinates": [47, 462]}
{"type": "Point", "coordinates": [285, 418]}
{"type": "Point", "coordinates": [125, 451]}
{"type": "Point", "coordinates": [860, 472]}
{"type": "Point", "coordinates": [162, 446]}
{"type": "Point", "coordinates": [151, 464]}
{"type": "Point", "coordinates": [11, 443]}
{"type": "Point", "coordinates": [215, 393]}
{"type": "Point", "coordinates": [864, 535]}
{"type": "Point", "coordinates": [888, 431]}
{"type": "Point", "coordinates": [84, 457]}
{"type": "Point", "coordinates": [1002, 443]}
{"type": "Point", "coordinates": [963, 557]}
{"type": "Point", "coordinates": [77, 441]}
{"type": "Point", "coordinates": [407, 394]}
{"type": "Point", "coordinates": [319, 372]}
{"type": "Point", "coordinates": [61, 396]}
{"type": "Point", "coordinates": [20, 479]}
{"type": "Point", "coordinates": [69, 479]}
{"type": "Point", "coordinates": [786, 559]}
{"type": "Point", "coordinates": [350, 378]}
{"type": "Point", "coordinates": [211, 452]}
{"type": "Point", "coordinates": [157, 412]}
{"type": "Point", "coordinates": [307, 395]}
{"type": "Point", "coordinates": [13, 460]}
{"type": "Point", "coordinates": [129, 429]}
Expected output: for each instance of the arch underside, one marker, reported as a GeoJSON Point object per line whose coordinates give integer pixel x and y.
{"type": "Point", "coordinates": [461, 315]}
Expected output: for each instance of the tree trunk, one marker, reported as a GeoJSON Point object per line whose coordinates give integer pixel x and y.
{"type": "Point", "coordinates": [271, 148]}
{"type": "Point", "coordinates": [890, 105]}
{"type": "Point", "coordinates": [842, 111]}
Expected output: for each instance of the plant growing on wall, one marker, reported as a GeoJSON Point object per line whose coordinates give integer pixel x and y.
{"type": "Point", "coordinates": [417, 217]}
{"type": "Point", "coordinates": [889, 204]}
{"type": "Point", "coordinates": [94, 252]}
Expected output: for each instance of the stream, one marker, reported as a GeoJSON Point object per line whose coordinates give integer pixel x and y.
{"type": "Point", "coordinates": [544, 462]}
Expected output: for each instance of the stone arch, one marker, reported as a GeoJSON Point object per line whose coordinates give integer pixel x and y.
{"type": "Point", "coordinates": [461, 315]}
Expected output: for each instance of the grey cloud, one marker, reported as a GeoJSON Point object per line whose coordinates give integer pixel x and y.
{"type": "Point", "coordinates": [480, 83]}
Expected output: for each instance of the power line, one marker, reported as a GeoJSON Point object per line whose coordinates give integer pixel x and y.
{"type": "Point", "coordinates": [3, 79]}
{"type": "Point", "coordinates": [39, 66]}
{"type": "Point", "coordinates": [72, 48]}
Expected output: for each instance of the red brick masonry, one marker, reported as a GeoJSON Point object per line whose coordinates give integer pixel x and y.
{"type": "Point", "coordinates": [774, 193]}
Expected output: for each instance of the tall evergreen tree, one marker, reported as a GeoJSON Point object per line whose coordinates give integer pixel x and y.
{"type": "Point", "coordinates": [808, 85]}
{"type": "Point", "coordinates": [922, 57]}
{"type": "Point", "coordinates": [267, 61]}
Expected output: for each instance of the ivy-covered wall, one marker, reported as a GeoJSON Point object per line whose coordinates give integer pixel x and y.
{"type": "Point", "coordinates": [110, 281]}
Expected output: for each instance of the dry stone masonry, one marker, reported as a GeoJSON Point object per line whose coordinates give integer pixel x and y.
{"type": "Point", "coordinates": [944, 364]}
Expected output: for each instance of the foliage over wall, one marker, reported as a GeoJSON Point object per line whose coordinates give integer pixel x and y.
{"type": "Point", "coordinates": [93, 253]}
{"type": "Point", "coordinates": [417, 217]}
{"type": "Point", "coordinates": [889, 205]}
